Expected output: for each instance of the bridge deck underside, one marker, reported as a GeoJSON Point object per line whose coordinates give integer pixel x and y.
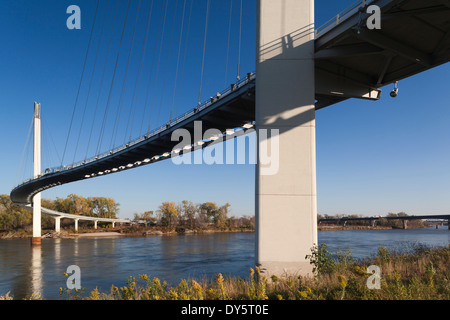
{"type": "Point", "coordinates": [415, 36]}
{"type": "Point", "coordinates": [233, 111]}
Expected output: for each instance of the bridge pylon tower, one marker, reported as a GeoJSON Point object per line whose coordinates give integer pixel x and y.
{"type": "Point", "coordinates": [286, 201]}
{"type": "Point", "coordinates": [36, 238]}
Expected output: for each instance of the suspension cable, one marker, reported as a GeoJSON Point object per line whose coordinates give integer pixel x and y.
{"type": "Point", "coordinates": [47, 156]}
{"type": "Point", "coordinates": [157, 66]}
{"type": "Point", "coordinates": [113, 136]}
{"type": "Point", "coordinates": [48, 134]}
{"type": "Point", "coordinates": [23, 151]}
{"type": "Point", "coordinates": [178, 61]}
{"type": "Point", "coordinates": [137, 84]}
{"type": "Point", "coordinates": [99, 144]}
{"type": "Point", "coordinates": [28, 158]}
{"type": "Point", "coordinates": [239, 50]}
{"type": "Point", "coordinates": [185, 54]}
{"type": "Point", "coordinates": [151, 68]}
{"type": "Point", "coordinates": [102, 79]}
{"type": "Point", "coordinates": [204, 49]}
{"type": "Point", "coordinates": [91, 80]}
{"type": "Point", "coordinates": [228, 44]}
{"type": "Point", "coordinates": [167, 62]}
{"type": "Point", "coordinates": [81, 80]}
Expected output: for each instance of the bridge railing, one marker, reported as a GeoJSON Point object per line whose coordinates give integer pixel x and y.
{"type": "Point", "coordinates": [341, 16]}
{"type": "Point", "coordinates": [207, 103]}
{"type": "Point", "coordinates": [202, 106]}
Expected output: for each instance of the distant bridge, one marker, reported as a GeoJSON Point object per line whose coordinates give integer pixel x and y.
{"type": "Point", "coordinates": [75, 217]}
{"type": "Point", "coordinates": [373, 220]}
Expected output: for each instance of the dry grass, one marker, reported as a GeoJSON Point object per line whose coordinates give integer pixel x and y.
{"type": "Point", "coordinates": [6, 297]}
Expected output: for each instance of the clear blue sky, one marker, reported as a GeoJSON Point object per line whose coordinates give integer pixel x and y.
{"type": "Point", "coordinates": [372, 157]}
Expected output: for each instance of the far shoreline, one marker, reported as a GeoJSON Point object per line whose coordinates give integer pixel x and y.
{"type": "Point", "coordinates": [153, 231]}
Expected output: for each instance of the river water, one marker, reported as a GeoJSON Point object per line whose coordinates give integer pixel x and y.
{"type": "Point", "coordinates": [25, 270]}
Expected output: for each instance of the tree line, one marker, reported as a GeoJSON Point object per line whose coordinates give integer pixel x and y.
{"type": "Point", "coordinates": [170, 214]}
{"type": "Point", "coordinates": [192, 216]}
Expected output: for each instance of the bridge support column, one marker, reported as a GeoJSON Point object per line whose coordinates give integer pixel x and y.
{"type": "Point", "coordinates": [113, 224]}
{"type": "Point", "coordinates": [76, 225]}
{"type": "Point", "coordinates": [36, 239]}
{"type": "Point", "coordinates": [57, 224]}
{"type": "Point", "coordinates": [95, 224]}
{"type": "Point", "coordinates": [405, 224]}
{"type": "Point", "coordinates": [373, 223]}
{"type": "Point", "coordinates": [286, 204]}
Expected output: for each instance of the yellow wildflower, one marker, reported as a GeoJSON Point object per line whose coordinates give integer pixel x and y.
{"type": "Point", "coordinates": [342, 281]}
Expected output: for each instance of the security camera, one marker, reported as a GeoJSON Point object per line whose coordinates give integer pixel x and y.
{"type": "Point", "coordinates": [394, 92]}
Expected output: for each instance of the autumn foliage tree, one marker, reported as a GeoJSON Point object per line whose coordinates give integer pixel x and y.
{"type": "Point", "coordinates": [221, 221]}
{"type": "Point", "coordinates": [11, 215]}
{"type": "Point", "coordinates": [168, 212]}
{"type": "Point", "coordinates": [100, 207]}
{"type": "Point", "coordinates": [147, 216]}
{"type": "Point", "coordinates": [188, 213]}
{"type": "Point", "coordinates": [191, 216]}
{"type": "Point", "coordinates": [209, 210]}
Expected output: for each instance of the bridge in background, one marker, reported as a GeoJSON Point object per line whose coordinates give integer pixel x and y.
{"type": "Point", "coordinates": [372, 220]}
{"type": "Point", "coordinates": [75, 217]}
{"type": "Point", "coordinates": [345, 59]}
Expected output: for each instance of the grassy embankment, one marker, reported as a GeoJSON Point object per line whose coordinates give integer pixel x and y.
{"type": "Point", "coordinates": [421, 273]}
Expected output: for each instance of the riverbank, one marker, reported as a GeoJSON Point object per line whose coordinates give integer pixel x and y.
{"type": "Point", "coordinates": [118, 232]}
{"type": "Point", "coordinates": [99, 235]}
{"type": "Point", "coordinates": [158, 231]}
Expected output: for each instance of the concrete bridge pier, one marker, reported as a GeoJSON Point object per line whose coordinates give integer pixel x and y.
{"type": "Point", "coordinates": [76, 225]}
{"type": "Point", "coordinates": [95, 224]}
{"type": "Point", "coordinates": [57, 224]}
{"type": "Point", "coordinates": [405, 224]}
{"type": "Point", "coordinates": [285, 195]}
{"type": "Point", "coordinates": [373, 223]}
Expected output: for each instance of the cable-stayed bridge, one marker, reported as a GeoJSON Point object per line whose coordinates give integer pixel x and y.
{"type": "Point", "coordinates": [299, 69]}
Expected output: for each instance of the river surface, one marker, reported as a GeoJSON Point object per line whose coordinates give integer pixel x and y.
{"type": "Point", "coordinates": [25, 270]}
